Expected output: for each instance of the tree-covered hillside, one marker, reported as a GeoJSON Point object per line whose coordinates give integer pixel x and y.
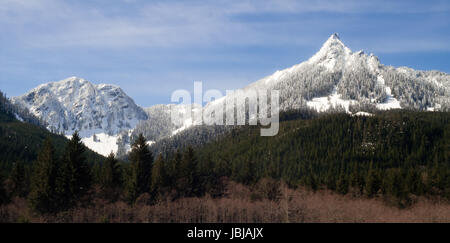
{"type": "Point", "coordinates": [397, 153]}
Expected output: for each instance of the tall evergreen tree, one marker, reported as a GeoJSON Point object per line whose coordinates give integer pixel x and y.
{"type": "Point", "coordinates": [43, 196]}
{"type": "Point", "coordinates": [173, 169]}
{"type": "Point", "coordinates": [210, 179]}
{"type": "Point", "coordinates": [187, 183]}
{"type": "Point", "coordinates": [159, 176]}
{"type": "Point", "coordinates": [132, 186]}
{"type": "Point", "coordinates": [96, 172]}
{"type": "Point", "coordinates": [110, 176]}
{"type": "Point", "coordinates": [139, 180]}
{"type": "Point", "coordinates": [74, 174]}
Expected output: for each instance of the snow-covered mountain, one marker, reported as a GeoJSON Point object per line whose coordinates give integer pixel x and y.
{"type": "Point", "coordinates": [98, 112]}
{"type": "Point", "coordinates": [338, 78]}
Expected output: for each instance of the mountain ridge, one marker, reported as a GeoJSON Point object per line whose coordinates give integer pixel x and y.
{"type": "Point", "coordinates": [99, 112]}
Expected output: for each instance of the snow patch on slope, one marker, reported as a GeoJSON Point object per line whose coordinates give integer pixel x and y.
{"type": "Point", "coordinates": [100, 143]}
{"type": "Point", "coordinates": [334, 100]}
{"type": "Point", "coordinates": [18, 117]}
{"type": "Point", "coordinates": [362, 113]}
{"type": "Point", "coordinates": [187, 123]}
{"type": "Point", "coordinates": [391, 102]}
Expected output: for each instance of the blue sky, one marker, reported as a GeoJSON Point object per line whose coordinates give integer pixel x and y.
{"type": "Point", "coordinates": [151, 48]}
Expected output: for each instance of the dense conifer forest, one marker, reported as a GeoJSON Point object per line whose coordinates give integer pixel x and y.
{"type": "Point", "coordinates": [398, 154]}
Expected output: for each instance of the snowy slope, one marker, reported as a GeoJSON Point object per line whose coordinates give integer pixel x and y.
{"type": "Point", "coordinates": [159, 123]}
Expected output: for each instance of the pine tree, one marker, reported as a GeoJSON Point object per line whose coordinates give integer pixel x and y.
{"type": "Point", "coordinates": [110, 173]}
{"type": "Point", "coordinates": [187, 186]}
{"type": "Point", "coordinates": [159, 177]}
{"type": "Point", "coordinates": [211, 181]}
{"type": "Point", "coordinates": [74, 174]}
{"type": "Point", "coordinates": [43, 196]}
{"type": "Point", "coordinates": [141, 168]}
{"type": "Point", "coordinates": [96, 172]}
{"type": "Point", "coordinates": [174, 168]}
{"type": "Point", "coordinates": [132, 188]}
